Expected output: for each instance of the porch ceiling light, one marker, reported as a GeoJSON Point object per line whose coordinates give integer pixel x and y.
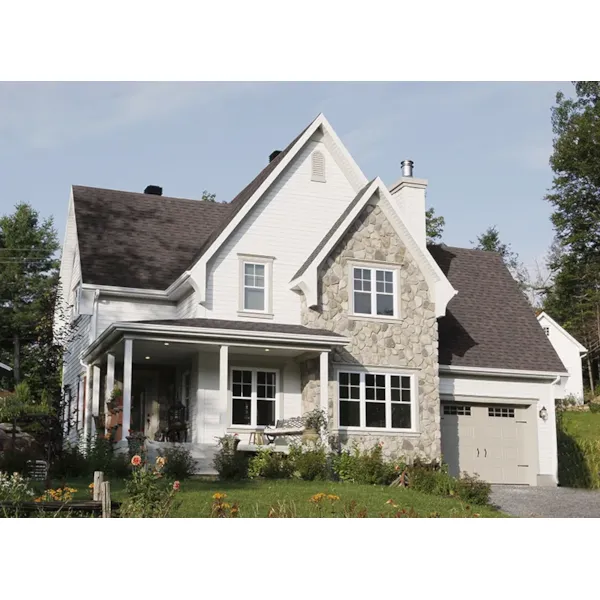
{"type": "Point", "coordinates": [147, 358]}
{"type": "Point", "coordinates": [543, 413]}
{"type": "Point", "coordinates": [266, 349]}
{"type": "Point", "coordinates": [166, 343]}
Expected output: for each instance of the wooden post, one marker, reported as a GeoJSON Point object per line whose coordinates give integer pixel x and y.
{"type": "Point", "coordinates": [105, 499]}
{"type": "Point", "coordinates": [98, 479]}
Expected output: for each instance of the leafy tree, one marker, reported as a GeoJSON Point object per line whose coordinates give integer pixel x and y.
{"type": "Point", "coordinates": [434, 226]}
{"type": "Point", "coordinates": [208, 197]}
{"type": "Point", "coordinates": [28, 284]}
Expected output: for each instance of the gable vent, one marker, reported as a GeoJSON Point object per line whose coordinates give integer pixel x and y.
{"type": "Point", "coordinates": [318, 167]}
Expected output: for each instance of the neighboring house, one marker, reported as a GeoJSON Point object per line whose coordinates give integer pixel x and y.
{"type": "Point", "coordinates": [312, 288]}
{"type": "Point", "coordinates": [570, 352]}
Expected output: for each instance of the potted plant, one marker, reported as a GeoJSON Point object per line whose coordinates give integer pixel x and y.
{"type": "Point", "coordinates": [314, 423]}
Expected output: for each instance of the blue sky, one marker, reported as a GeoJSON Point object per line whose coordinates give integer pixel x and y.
{"type": "Point", "coordinates": [484, 147]}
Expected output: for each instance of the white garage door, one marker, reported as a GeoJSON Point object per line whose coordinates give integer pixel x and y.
{"type": "Point", "coordinates": [490, 440]}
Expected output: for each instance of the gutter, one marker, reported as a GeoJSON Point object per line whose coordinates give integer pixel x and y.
{"type": "Point", "coordinates": [503, 373]}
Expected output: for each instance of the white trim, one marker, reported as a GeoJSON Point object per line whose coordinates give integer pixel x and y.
{"type": "Point", "coordinates": [471, 399]}
{"type": "Point", "coordinates": [582, 349]}
{"type": "Point", "coordinates": [267, 263]}
{"type": "Point", "coordinates": [254, 397]}
{"type": "Point", "coordinates": [391, 268]}
{"type": "Point", "coordinates": [126, 292]}
{"type": "Point", "coordinates": [399, 372]}
{"type": "Point", "coordinates": [492, 372]}
{"type": "Point", "coordinates": [127, 376]}
{"type": "Point", "coordinates": [3, 366]}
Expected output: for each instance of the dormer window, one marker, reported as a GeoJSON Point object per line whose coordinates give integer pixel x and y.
{"type": "Point", "coordinates": [256, 286]}
{"type": "Point", "coordinates": [318, 167]}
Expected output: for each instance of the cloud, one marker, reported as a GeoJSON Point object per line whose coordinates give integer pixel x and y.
{"type": "Point", "coordinates": [50, 115]}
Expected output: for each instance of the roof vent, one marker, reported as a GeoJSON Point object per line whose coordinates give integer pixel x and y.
{"type": "Point", "coordinates": [154, 190]}
{"type": "Point", "coordinates": [274, 154]}
{"type": "Point", "coordinates": [407, 168]}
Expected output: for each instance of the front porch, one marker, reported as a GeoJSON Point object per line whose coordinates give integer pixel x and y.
{"type": "Point", "coordinates": [190, 384]}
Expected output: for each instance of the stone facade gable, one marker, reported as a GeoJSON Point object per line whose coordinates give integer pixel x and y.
{"type": "Point", "coordinates": [410, 342]}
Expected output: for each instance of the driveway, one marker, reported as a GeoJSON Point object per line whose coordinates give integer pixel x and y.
{"type": "Point", "coordinates": [558, 502]}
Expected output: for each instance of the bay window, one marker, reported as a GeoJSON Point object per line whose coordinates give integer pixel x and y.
{"type": "Point", "coordinates": [376, 400]}
{"type": "Point", "coordinates": [253, 397]}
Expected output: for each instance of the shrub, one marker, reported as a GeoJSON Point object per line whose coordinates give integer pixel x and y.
{"type": "Point", "coordinates": [69, 464]}
{"type": "Point", "coordinates": [366, 466]}
{"type": "Point", "coordinates": [15, 488]}
{"type": "Point", "coordinates": [270, 465]}
{"type": "Point", "coordinates": [431, 478]}
{"type": "Point", "coordinates": [179, 463]}
{"type": "Point", "coordinates": [309, 463]}
{"type": "Point", "coordinates": [228, 462]}
{"type": "Point", "coordinates": [15, 461]}
{"type": "Point", "coordinates": [149, 495]}
{"type": "Point", "coordinates": [594, 407]}
{"type": "Point", "coordinates": [472, 490]}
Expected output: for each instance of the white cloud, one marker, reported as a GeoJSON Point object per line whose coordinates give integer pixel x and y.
{"type": "Point", "coordinates": [49, 115]}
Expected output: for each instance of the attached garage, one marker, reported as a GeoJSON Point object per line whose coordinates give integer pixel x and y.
{"type": "Point", "coordinates": [495, 440]}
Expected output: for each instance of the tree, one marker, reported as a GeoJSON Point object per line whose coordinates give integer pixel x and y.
{"type": "Point", "coordinates": [208, 197]}
{"type": "Point", "coordinates": [28, 284]}
{"type": "Point", "coordinates": [434, 226]}
{"type": "Point", "coordinates": [575, 199]}
{"type": "Point", "coordinates": [490, 240]}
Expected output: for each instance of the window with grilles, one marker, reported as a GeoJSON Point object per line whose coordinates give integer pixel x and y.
{"type": "Point", "coordinates": [457, 409]}
{"type": "Point", "coordinates": [501, 411]}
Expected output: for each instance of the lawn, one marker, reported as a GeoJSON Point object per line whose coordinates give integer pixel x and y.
{"type": "Point", "coordinates": [256, 498]}
{"type": "Point", "coordinates": [582, 425]}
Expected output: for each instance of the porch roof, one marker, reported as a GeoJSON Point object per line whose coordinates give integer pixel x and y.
{"type": "Point", "coordinates": [216, 331]}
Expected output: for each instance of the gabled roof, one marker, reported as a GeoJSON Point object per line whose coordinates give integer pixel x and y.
{"type": "Point", "coordinates": [139, 240]}
{"type": "Point", "coordinates": [544, 315]}
{"type": "Point", "coordinates": [489, 323]}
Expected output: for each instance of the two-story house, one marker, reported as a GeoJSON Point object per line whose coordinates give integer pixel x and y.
{"type": "Point", "coordinates": [313, 287]}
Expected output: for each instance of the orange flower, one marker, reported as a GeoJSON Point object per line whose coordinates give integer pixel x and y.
{"type": "Point", "coordinates": [136, 461]}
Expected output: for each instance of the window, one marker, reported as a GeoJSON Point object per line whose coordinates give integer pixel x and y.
{"type": "Point", "coordinates": [457, 409]}
{"type": "Point", "coordinates": [318, 167]}
{"type": "Point", "coordinates": [254, 286]}
{"type": "Point", "coordinates": [253, 397]}
{"type": "Point", "coordinates": [76, 307]}
{"type": "Point", "coordinates": [256, 273]}
{"type": "Point", "coordinates": [497, 411]}
{"type": "Point", "coordinates": [375, 400]}
{"type": "Point", "coordinates": [374, 292]}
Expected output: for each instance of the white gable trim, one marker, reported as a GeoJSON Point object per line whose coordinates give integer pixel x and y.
{"type": "Point", "coordinates": [437, 281]}
{"type": "Point", "coordinates": [543, 315]}
{"type": "Point", "coordinates": [198, 273]}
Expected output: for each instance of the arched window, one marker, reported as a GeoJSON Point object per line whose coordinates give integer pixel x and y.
{"type": "Point", "coordinates": [318, 167]}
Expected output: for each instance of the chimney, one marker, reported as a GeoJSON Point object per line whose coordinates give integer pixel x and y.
{"type": "Point", "coordinates": [409, 194]}
{"type": "Point", "coordinates": [274, 154]}
{"type": "Point", "coordinates": [153, 190]}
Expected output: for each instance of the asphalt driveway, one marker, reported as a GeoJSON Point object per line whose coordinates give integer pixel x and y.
{"type": "Point", "coordinates": [557, 502]}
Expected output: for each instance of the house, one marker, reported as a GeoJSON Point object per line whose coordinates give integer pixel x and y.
{"type": "Point", "coordinates": [313, 287]}
{"type": "Point", "coordinates": [570, 352]}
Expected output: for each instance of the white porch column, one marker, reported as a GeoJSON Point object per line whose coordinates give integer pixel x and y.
{"type": "Point", "coordinates": [95, 396]}
{"type": "Point", "coordinates": [324, 389]}
{"type": "Point", "coordinates": [127, 369]}
{"type": "Point", "coordinates": [223, 376]}
{"type": "Point", "coordinates": [110, 384]}
{"type": "Point", "coordinates": [87, 420]}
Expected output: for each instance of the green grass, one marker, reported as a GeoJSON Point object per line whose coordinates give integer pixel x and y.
{"type": "Point", "coordinates": [255, 498]}
{"type": "Point", "coordinates": [582, 425]}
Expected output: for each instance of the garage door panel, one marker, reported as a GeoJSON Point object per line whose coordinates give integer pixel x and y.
{"type": "Point", "coordinates": [487, 440]}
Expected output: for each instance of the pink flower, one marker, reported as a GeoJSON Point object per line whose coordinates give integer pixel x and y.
{"type": "Point", "coordinates": [176, 486]}
{"type": "Point", "coordinates": [136, 461]}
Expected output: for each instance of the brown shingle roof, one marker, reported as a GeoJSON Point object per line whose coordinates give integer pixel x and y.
{"type": "Point", "coordinates": [489, 323]}
{"type": "Point", "coordinates": [139, 240]}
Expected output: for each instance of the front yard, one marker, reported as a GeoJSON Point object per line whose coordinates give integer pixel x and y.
{"type": "Point", "coordinates": [292, 498]}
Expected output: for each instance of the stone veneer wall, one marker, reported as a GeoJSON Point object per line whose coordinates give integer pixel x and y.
{"type": "Point", "coordinates": [410, 342]}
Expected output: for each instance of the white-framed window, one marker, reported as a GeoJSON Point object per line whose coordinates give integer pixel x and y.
{"type": "Point", "coordinates": [374, 292]}
{"type": "Point", "coordinates": [256, 275]}
{"type": "Point", "coordinates": [76, 306]}
{"type": "Point", "coordinates": [254, 397]}
{"type": "Point", "coordinates": [369, 400]}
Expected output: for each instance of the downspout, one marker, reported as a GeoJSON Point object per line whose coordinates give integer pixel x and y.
{"type": "Point", "coordinates": [95, 315]}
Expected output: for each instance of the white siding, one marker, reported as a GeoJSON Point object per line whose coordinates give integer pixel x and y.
{"type": "Point", "coordinates": [112, 310]}
{"type": "Point", "coordinates": [568, 353]}
{"type": "Point", "coordinates": [542, 394]}
{"type": "Point", "coordinates": [187, 307]}
{"type": "Point", "coordinates": [287, 223]}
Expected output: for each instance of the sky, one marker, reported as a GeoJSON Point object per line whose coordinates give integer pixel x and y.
{"type": "Point", "coordinates": [483, 147]}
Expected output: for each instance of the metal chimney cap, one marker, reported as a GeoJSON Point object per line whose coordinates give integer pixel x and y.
{"type": "Point", "coordinates": [407, 168]}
